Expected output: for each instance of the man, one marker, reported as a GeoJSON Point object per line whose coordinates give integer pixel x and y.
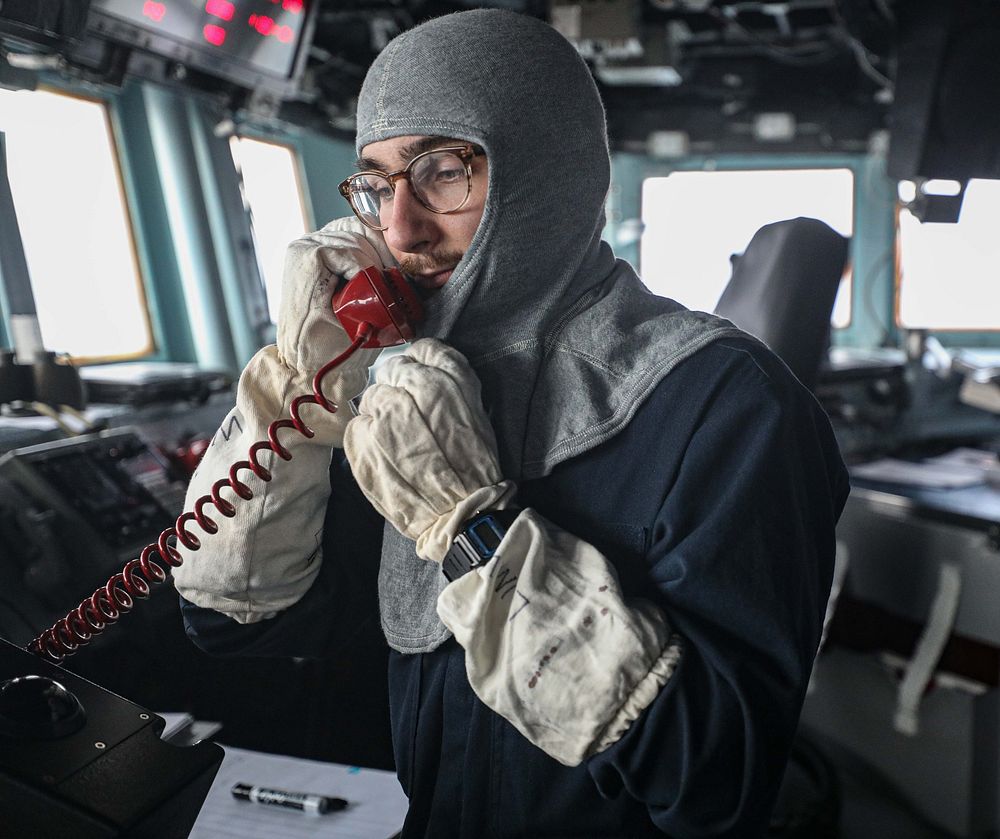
{"type": "Point", "coordinates": [632, 659]}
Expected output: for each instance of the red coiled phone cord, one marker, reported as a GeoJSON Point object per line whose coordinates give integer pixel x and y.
{"type": "Point", "coordinates": [106, 605]}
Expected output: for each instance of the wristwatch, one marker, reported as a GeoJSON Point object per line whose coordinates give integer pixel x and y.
{"type": "Point", "coordinates": [477, 541]}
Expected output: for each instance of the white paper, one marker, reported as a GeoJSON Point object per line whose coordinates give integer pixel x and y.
{"type": "Point", "coordinates": [964, 456]}
{"type": "Point", "coordinates": [184, 730]}
{"type": "Point", "coordinates": [927, 474]}
{"type": "Point", "coordinates": [173, 722]}
{"type": "Point", "coordinates": [376, 810]}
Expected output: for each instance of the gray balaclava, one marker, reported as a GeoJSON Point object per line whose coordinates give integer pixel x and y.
{"type": "Point", "coordinates": [565, 339]}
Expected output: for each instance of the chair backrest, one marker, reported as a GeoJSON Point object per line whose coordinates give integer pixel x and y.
{"type": "Point", "coordinates": [783, 288]}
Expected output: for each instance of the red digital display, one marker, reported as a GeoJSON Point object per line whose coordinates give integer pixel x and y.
{"type": "Point", "coordinates": [220, 8]}
{"type": "Point", "coordinates": [265, 25]}
{"type": "Point", "coordinates": [154, 11]}
{"type": "Point", "coordinates": [214, 34]}
{"type": "Point", "coordinates": [262, 23]}
{"type": "Point", "coordinates": [260, 35]}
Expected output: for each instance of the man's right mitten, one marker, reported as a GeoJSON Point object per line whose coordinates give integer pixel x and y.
{"type": "Point", "coordinates": [263, 559]}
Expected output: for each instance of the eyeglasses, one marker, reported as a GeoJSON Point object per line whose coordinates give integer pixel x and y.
{"type": "Point", "coordinates": [441, 180]}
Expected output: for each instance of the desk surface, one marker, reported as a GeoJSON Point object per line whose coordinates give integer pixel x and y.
{"type": "Point", "coordinates": [974, 506]}
{"type": "Point", "coordinates": [376, 810]}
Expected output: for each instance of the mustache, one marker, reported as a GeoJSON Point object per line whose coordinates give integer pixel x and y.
{"type": "Point", "coordinates": [430, 263]}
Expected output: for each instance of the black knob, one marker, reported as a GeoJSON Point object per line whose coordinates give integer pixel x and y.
{"type": "Point", "coordinates": [38, 708]}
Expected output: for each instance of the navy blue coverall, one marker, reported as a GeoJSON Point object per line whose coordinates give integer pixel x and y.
{"type": "Point", "coordinates": [718, 502]}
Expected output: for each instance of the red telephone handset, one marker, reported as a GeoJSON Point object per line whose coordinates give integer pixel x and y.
{"type": "Point", "coordinates": [385, 303]}
{"type": "Point", "coordinates": [376, 309]}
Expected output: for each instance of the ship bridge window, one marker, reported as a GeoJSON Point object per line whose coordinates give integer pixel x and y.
{"type": "Point", "coordinates": [694, 221]}
{"type": "Point", "coordinates": [946, 274]}
{"type": "Point", "coordinates": [75, 225]}
{"type": "Point", "coordinates": [273, 194]}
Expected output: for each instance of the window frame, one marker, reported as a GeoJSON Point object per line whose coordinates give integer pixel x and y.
{"type": "Point", "coordinates": [291, 141]}
{"type": "Point", "coordinates": [151, 350]}
{"type": "Point", "coordinates": [849, 268]}
{"type": "Point", "coordinates": [959, 338]}
{"type": "Point", "coordinates": [197, 281]}
{"type": "Point", "coordinates": [871, 303]}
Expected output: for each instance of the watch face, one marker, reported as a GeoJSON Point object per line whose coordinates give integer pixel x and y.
{"type": "Point", "coordinates": [485, 533]}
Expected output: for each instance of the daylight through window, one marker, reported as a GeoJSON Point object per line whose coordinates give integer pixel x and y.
{"type": "Point", "coordinates": [74, 224]}
{"type": "Point", "coordinates": [693, 222]}
{"type": "Point", "coordinates": [273, 194]}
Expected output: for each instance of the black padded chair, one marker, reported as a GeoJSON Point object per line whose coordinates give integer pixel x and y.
{"type": "Point", "coordinates": [783, 288]}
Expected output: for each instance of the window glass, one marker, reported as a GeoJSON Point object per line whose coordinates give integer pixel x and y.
{"type": "Point", "coordinates": [693, 222]}
{"type": "Point", "coordinates": [946, 273]}
{"type": "Point", "coordinates": [75, 226]}
{"type": "Point", "coordinates": [273, 195]}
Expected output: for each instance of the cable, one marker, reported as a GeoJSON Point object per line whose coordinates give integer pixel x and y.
{"type": "Point", "coordinates": [862, 55]}
{"type": "Point", "coordinates": [117, 596]}
{"type": "Point", "coordinates": [56, 415]}
{"type": "Point", "coordinates": [88, 425]}
{"type": "Point", "coordinates": [866, 66]}
{"type": "Point", "coordinates": [782, 55]}
{"type": "Point", "coordinates": [50, 412]}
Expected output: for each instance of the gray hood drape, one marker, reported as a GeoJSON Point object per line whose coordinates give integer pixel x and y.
{"type": "Point", "coordinates": [565, 338]}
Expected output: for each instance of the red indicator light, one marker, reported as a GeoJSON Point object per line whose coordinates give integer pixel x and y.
{"type": "Point", "coordinates": [220, 8]}
{"type": "Point", "coordinates": [293, 6]}
{"type": "Point", "coordinates": [283, 33]}
{"type": "Point", "coordinates": [214, 34]}
{"type": "Point", "coordinates": [154, 11]}
{"type": "Point", "coordinates": [262, 23]}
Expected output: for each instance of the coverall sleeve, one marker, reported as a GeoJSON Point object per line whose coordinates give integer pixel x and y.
{"type": "Point", "coordinates": [740, 558]}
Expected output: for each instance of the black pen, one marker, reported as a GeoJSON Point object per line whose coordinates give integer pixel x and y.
{"type": "Point", "coordinates": [306, 802]}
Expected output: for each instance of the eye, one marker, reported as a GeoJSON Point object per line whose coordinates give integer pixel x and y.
{"type": "Point", "coordinates": [448, 167]}
{"type": "Point", "coordinates": [449, 174]}
{"type": "Point", "coordinates": [439, 169]}
{"type": "Point", "coordinates": [374, 188]}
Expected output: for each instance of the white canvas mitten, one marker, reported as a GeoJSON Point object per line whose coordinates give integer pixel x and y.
{"type": "Point", "coordinates": [552, 646]}
{"type": "Point", "coordinates": [263, 559]}
{"type": "Point", "coordinates": [422, 449]}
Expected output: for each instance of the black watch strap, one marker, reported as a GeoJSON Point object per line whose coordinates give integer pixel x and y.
{"type": "Point", "coordinates": [477, 541]}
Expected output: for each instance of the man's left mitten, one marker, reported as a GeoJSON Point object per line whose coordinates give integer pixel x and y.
{"type": "Point", "coordinates": [422, 448]}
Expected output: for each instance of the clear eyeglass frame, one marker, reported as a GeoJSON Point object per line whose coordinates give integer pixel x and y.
{"type": "Point", "coordinates": [464, 153]}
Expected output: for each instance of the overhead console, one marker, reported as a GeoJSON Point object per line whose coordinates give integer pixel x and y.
{"type": "Point", "coordinates": [252, 43]}
{"type": "Point", "coordinates": [244, 48]}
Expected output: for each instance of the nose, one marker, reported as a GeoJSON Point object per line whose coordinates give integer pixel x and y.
{"type": "Point", "coordinates": [411, 224]}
